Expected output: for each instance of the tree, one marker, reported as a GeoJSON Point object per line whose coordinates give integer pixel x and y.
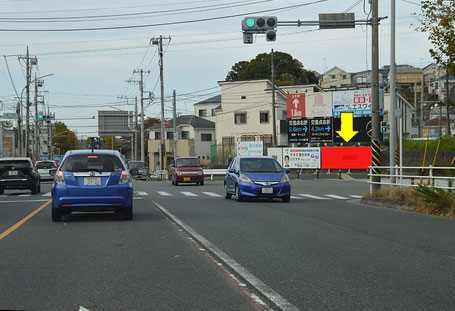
{"type": "Point", "coordinates": [63, 139]}
{"type": "Point", "coordinates": [288, 70]}
{"type": "Point", "coordinates": [438, 22]}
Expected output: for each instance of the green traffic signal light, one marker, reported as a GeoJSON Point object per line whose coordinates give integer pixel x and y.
{"type": "Point", "coordinates": [40, 116]}
{"type": "Point", "coordinates": [250, 22]}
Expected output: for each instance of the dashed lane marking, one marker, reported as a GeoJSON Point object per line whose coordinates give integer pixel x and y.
{"type": "Point", "coordinates": [355, 196]}
{"type": "Point", "coordinates": [294, 197]}
{"type": "Point", "coordinates": [164, 193]}
{"type": "Point", "coordinates": [24, 195]}
{"type": "Point", "coordinates": [312, 196]}
{"type": "Point", "coordinates": [334, 196]}
{"type": "Point", "coordinates": [47, 194]}
{"type": "Point", "coordinates": [141, 192]}
{"type": "Point", "coordinates": [188, 194]}
{"type": "Point", "coordinates": [212, 194]}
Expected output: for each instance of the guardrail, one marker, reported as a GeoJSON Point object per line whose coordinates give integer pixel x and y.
{"type": "Point", "coordinates": [402, 176]}
{"type": "Point", "coordinates": [215, 172]}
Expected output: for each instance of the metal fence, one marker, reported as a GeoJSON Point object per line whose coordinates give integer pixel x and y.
{"type": "Point", "coordinates": [414, 176]}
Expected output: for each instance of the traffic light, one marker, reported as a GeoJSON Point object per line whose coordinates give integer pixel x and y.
{"type": "Point", "coordinates": [40, 117]}
{"type": "Point", "coordinates": [259, 24]}
{"type": "Point", "coordinates": [383, 126]}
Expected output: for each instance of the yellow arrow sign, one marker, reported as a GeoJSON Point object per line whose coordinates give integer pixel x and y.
{"type": "Point", "coordinates": [347, 126]}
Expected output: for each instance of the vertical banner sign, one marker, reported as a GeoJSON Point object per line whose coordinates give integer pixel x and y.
{"type": "Point", "coordinates": [298, 130]}
{"type": "Point", "coordinates": [318, 105]}
{"type": "Point", "coordinates": [321, 130]}
{"type": "Point", "coordinates": [276, 153]}
{"type": "Point", "coordinates": [302, 157]}
{"type": "Point", "coordinates": [296, 105]}
{"type": "Point", "coordinates": [356, 101]}
{"type": "Point", "coordinates": [250, 148]}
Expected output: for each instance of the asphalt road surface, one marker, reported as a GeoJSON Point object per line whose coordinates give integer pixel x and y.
{"type": "Point", "coordinates": [188, 248]}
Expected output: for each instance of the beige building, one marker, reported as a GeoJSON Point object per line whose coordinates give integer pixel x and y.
{"type": "Point", "coordinates": [207, 108]}
{"type": "Point", "coordinates": [335, 78]}
{"type": "Point", "coordinates": [195, 138]}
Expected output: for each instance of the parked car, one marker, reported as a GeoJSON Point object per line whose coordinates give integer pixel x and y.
{"type": "Point", "coordinates": [141, 170]}
{"type": "Point", "coordinates": [92, 180]}
{"type": "Point", "coordinates": [46, 169]}
{"type": "Point", "coordinates": [187, 170]}
{"type": "Point", "coordinates": [19, 173]}
{"type": "Point", "coordinates": [257, 177]}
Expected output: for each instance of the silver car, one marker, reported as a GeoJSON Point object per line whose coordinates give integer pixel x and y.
{"type": "Point", "coordinates": [46, 169]}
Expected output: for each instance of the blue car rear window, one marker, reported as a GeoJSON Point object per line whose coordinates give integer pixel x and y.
{"type": "Point", "coordinates": [255, 165]}
{"type": "Point", "coordinates": [92, 162]}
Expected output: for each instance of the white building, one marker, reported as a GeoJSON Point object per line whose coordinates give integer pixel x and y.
{"type": "Point", "coordinates": [207, 108]}
{"type": "Point", "coordinates": [335, 78]}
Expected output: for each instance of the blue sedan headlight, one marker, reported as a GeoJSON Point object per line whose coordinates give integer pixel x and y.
{"type": "Point", "coordinates": [245, 178]}
{"type": "Point", "coordinates": [284, 179]}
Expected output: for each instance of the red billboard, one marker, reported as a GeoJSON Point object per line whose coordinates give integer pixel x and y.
{"type": "Point", "coordinates": [296, 105]}
{"type": "Point", "coordinates": [345, 157]}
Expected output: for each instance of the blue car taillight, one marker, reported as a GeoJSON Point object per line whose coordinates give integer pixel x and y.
{"type": "Point", "coordinates": [60, 179]}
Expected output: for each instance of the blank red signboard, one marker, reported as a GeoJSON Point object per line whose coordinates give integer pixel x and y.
{"type": "Point", "coordinates": [345, 157]}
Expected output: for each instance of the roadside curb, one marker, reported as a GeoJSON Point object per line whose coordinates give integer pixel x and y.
{"type": "Point", "coordinates": [400, 205]}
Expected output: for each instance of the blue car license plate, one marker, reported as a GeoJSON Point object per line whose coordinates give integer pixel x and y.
{"type": "Point", "coordinates": [92, 181]}
{"type": "Point", "coordinates": [267, 190]}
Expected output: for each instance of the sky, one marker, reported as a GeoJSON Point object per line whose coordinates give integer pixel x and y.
{"type": "Point", "coordinates": [90, 67]}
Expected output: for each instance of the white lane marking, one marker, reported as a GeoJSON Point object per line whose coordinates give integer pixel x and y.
{"type": "Point", "coordinates": [294, 197]}
{"type": "Point", "coordinates": [3, 196]}
{"type": "Point", "coordinates": [260, 286]}
{"type": "Point", "coordinates": [81, 308]}
{"type": "Point", "coordinates": [212, 194]}
{"type": "Point", "coordinates": [47, 194]}
{"type": "Point", "coordinates": [140, 192]}
{"type": "Point", "coordinates": [164, 193]}
{"type": "Point", "coordinates": [334, 196]}
{"type": "Point", "coordinates": [22, 201]}
{"type": "Point", "coordinates": [24, 195]}
{"type": "Point", "coordinates": [188, 194]}
{"type": "Point", "coordinates": [312, 196]}
{"type": "Point", "coordinates": [355, 196]}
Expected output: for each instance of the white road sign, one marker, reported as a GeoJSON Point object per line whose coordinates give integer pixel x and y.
{"type": "Point", "coordinates": [302, 157]}
{"type": "Point", "coordinates": [250, 148]}
{"type": "Point", "coordinates": [318, 105]}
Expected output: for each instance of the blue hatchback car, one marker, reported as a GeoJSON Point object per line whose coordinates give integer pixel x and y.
{"type": "Point", "coordinates": [256, 177]}
{"type": "Point", "coordinates": [92, 180]}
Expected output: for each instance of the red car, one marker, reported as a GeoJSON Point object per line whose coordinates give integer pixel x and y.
{"type": "Point", "coordinates": [187, 170]}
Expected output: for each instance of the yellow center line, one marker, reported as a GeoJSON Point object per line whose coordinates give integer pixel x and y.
{"type": "Point", "coordinates": [23, 220]}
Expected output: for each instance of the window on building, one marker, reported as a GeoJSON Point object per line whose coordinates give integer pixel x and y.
{"type": "Point", "coordinates": [157, 135]}
{"type": "Point", "coordinates": [344, 76]}
{"type": "Point", "coordinates": [169, 135]}
{"type": "Point", "coordinates": [284, 114]}
{"type": "Point", "coordinates": [213, 112]}
{"type": "Point", "coordinates": [332, 76]}
{"type": "Point", "coordinates": [264, 117]}
{"type": "Point", "coordinates": [228, 140]}
{"type": "Point", "coordinates": [206, 137]}
{"type": "Point", "coordinates": [240, 118]}
{"type": "Point", "coordinates": [243, 97]}
{"type": "Point", "coordinates": [202, 112]}
{"type": "Point", "coordinates": [185, 134]}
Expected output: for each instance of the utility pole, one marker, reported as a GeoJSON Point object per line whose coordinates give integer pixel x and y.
{"type": "Point", "coordinates": [141, 88]}
{"type": "Point", "coordinates": [174, 135]}
{"type": "Point", "coordinates": [159, 42]}
{"type": "Point", "coordinates": [19, 127]}
{"type": "Point", "coordinates": [273, 104]}
{"type": "Point", "coordinates": [36, 132]}
{"type": "Point", "coordinates": [27, 113]}
{"type": "Point", "coordinates": [375, 124]}
{"type": "Point", "coordinates": [49, 136]}
{"type": "Point", "coordinates": [135, 128]}
{"type": "Point", "coordinates": [393, 95]}
{"type": "Point", "coordinates": [448, 102]}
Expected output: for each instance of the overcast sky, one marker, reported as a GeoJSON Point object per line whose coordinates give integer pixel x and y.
{"type": "Point", "coordinates": [90, 67]}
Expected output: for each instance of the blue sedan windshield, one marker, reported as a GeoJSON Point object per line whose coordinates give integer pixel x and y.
{"type": "Point", "coordinates": [255, 165]}
{"type": "Point", "coordinates": [92, 162]}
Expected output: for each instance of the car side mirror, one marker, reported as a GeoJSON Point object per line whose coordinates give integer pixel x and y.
{"type": "Point", "coordinates": [287, 170]}
{"type": "Point", "coordinates": [231, 170]}
{"type": "Point", "coordinates": [134, 171]}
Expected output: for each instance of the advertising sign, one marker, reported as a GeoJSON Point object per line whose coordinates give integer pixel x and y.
{"type": "Point", "coordinates": [318, 105]}
{"type": "Point", "coordinates": [346, 157]}
{"type": "Point", "coordinates": [298, 130]}
{"type": "Point", "coordinates": [321, 130]}
{"type": "Point", "coordinates": [356, 101]}
{"type": "Point", "coordinates": [361, 124]}
{"type": "Point", "coordinates": [250, 148]}
{"type": "Point", "coordinates": [276, 153]}
{"type": "Point", "coordinates": [296, 105]}
{"type": "Point", "coordinates": [302, 157]}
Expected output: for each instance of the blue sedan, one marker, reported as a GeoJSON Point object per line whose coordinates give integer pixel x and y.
{"type": "Point", "coordinates": [92, 180]}
{"type": "Point", "coordinates": [256, 177]}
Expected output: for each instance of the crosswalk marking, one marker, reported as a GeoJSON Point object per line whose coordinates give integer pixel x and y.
{"type": "Point", "coordinates": [47, 194]}
{"type": "Point", "coordinates": [164, 193]}
{"type": "Point", "coordinates": [212, 194]}
{"type": "Point", "coordinates": [355, 196]}
{"type": "Point", "coordinates": [313, 196]}
{"type": "Point", "coordinates": [24, 195]}
{"type": "Point", "coordinates": [334, 196]}
{"type": "Point", "coordinates": [188, 194]}
{"type": "Point", "coordinates": [140, 192]}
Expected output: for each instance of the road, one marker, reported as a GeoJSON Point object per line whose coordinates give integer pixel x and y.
{"type": "Point", "coordinates": [322, 251]}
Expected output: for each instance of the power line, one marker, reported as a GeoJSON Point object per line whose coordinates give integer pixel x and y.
{"type": "Point", "coordinates": [159, 24]}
